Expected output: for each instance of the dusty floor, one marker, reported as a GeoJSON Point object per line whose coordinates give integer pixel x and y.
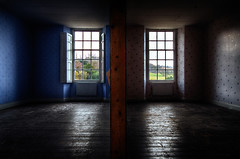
{"type": "Point", "coordinates": [180, 130]}
{"type": "Point", "coordinates": [154, 130]}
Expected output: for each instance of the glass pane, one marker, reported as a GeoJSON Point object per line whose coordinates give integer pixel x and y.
{"type": "Point", "coordinates": [78, 35]}
{"type": "Point", "coordinates": [161, 45]}
{"type": "Point", "coordinates": [95, 74]}
{"type": "Point", "coordinates": [78, 65]}
{"type": "Point", "coordinates": [169, 54]}
{"type": "Point", "coordinates": [78, 45]}
{"type": "Point", "coordinates": [152, 54]}
{"type": "Point", "coordinates": [95, 55]}
{"type": "Point", "coordinates": [152, 35]}
{"type": "Point", "coordinates": [86, 55]}
{"type": "Point", "coordinates": [78, 54]}
{"type": "Point", "coordinates": [152, 64]}
{"type": "Point", "coordinates": [161, 64]}
{"type": "Point", "coordinates": [87, 35]}
{"type": "Point", "coordinates": [161, 36]}
{"type": "Point", "coordinates": [78, 75]}
{"type": "Point", "coordinates": [87, 45]}
{"type": "Point", "coordinates": [95, 35]}
{"type": "Point", "coordinates": [169, 74]}
{"type": "Point", "coordinates": [169, 35]}
{"type": "Point", "coordinates": [86, 74]}
{"type": "Point", "coordinates": [161, 54]}
{"type": "Point", "coordinates": [95, 64]}
{"type": "Point", "coordinates": [152, 45]}
{"type": "Point", "coordinates": [152, 74]}
{"type": "Point", "coordinates": [87, 64]}
{"type": "Point", "coordinates": [169, 64]}
{"type": "Point", "coordinates": [95, 45]}
{"type": "Point", "coordinates": [161, 74]}
{"type": "Point", "coordinates": [169, 45]}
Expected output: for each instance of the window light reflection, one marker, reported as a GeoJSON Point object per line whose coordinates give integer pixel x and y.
{"type": "Point", "coordinates": [162, 132]}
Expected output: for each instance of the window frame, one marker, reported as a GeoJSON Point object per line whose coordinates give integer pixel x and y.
{"type": "Point", "coordinates": [174, 55]}
{"type": "Point", "coordinates": [101, 56]}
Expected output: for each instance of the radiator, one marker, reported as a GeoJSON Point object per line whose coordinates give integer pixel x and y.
{"type": "Point", "coordinates": [162, 89]}
{"type": "Point", "coordinates": [86, 89]}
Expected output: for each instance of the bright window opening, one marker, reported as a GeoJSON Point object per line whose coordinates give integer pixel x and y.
{"type": "Point", "coordinates": [161, 55]}
{"type": "Point", "coordinates": [88, 56]}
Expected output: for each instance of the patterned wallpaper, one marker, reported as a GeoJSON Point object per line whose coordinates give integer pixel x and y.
{"type": "Point", "coordinates": [223, 61]}
{"type": "Point", "coordinates": [180, 62]}
{"type": "Point", "coordinates": [194, 64]}
{"type": "Point", "coordinates": [135, 62]}
{"type": "Point", "coordinates": [190, 60]}
{"type": "Point", "coordinates": [15, 59]}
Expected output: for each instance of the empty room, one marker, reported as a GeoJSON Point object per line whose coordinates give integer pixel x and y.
{"type": "Point", "coordinates": [119, 79]}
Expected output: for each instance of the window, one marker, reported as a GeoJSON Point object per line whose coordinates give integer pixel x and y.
{"type": "Point", "coordinates": [88, 55]}
{"type": "Point", "coordinates": [160, 52]}
{"type": "Point", "coordinates": [66, 57]}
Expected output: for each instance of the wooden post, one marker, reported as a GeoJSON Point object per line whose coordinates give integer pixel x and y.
{"type": "Point", "coordinates": [117, 76]}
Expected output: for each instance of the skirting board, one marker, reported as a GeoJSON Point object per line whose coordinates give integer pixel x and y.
{"type": "Point", "coordinates": [226, 105]}
{"type": "Point", "coordinates": [18, 103]}
{"type": "Point", "coordinates": [12, 104]}
{"type": "Point", "coordinates": [53, 100]}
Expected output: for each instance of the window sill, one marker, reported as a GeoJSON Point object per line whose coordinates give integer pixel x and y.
{"type": "Point", "coordinates": [86, 81]}
{"type": "Point", "coordinates": [163, 81]}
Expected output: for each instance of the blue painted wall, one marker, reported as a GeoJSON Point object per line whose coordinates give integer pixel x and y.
{"type": "Point", "coordinates": [30, 61]}
{"type": "Point", "coordinates": [106, 30]}
{"type": "Point", "coordinates": [47, 62]}
{"type": "Point", "coordinates": [15, 59]}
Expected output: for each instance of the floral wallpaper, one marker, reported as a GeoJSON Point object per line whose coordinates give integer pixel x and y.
{"type": "Point", "coordinates": [223, 61]}
{"type": "Point", "coordinates": [135, 63]}
{"type": "Point", "coordinates": [190, 62]}
{"type": "Point", "coordinates": [194, 62]}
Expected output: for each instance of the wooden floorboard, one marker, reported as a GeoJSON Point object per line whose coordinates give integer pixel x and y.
{"type": "Point", "coordinates": [60, 130]}
{"type": "Point", "coordinates": [154, 131]}
{"type": "Point", "coordinates": [182, 130]}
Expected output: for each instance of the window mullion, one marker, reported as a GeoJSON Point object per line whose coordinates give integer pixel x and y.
{"type": "Point", "coordinates": [82, 53]}
{"type": "Point", "coordinates": [165, 54]}
{"type": "Point", "coordinates": [91, 56]}
{"type": "Point", "coordinates": [157, 51]}
{"type": "Point", "coordinates": [100, 58]}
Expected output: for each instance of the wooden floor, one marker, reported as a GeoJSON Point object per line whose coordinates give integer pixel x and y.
{"type": "Point", "coordinates": [63, 130]}
{"type": "Point", "coordinates": [154, 130]}
{"type": "Point", "coordinates": [180, 131]}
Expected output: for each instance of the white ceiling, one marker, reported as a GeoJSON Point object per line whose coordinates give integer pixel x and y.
{"type": "Point", "coordinates": [95, 13]}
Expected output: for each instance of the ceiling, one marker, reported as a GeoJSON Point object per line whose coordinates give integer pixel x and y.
{"type": "Point", "coordinates": [95, 13]}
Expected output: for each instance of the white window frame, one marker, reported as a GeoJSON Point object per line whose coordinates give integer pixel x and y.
{"type": "Point", "coordinates": [174, 54]}
{"type": "Point", "coordinates": [66, 57]}
{"type": "Point", "coordinates": [101, 56]}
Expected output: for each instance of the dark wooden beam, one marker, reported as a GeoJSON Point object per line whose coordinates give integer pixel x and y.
{"type": "Point", "coordinates": [117, 76]}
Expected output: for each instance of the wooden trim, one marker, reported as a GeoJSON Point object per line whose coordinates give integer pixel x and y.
{"type": "Point", "coordinates": [226, 105]}
{"type": "Point", "coordinates": [117, 77]}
